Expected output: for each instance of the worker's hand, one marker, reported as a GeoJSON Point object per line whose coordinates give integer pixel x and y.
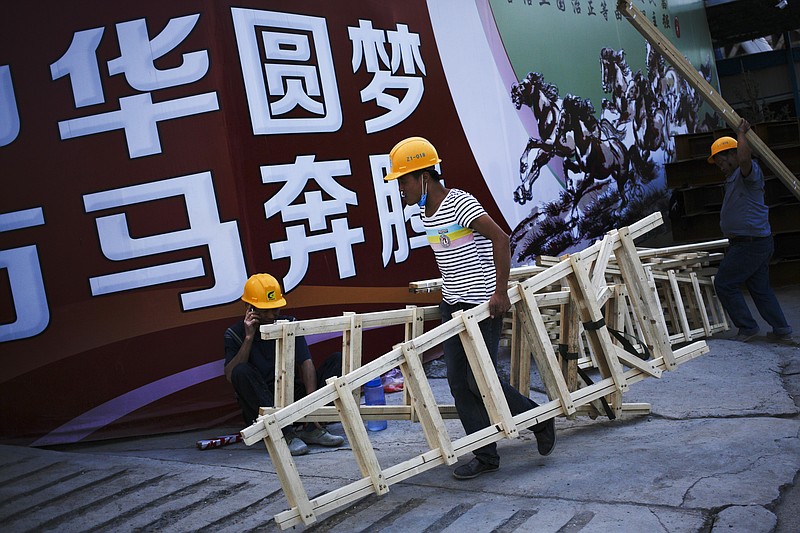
{"type": "Point", "coordinates": [251, 322]}
{"type": "Point", "coordinates": [744, 126]}
{"type": "Point", "coordinates": [499, 304]}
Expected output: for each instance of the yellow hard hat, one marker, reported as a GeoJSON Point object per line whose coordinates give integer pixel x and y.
{"type": "Point", "coordinates": [720, 145]}
{"type": "Point", "coordinates": [414, 153]}
{"type": "Point", "coordinates": [263, 291]}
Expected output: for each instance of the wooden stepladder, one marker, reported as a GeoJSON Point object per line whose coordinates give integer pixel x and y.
{"type": "Point", "coordinates": [605, 283]}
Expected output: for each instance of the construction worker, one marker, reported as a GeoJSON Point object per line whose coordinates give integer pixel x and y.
{"type": "Point", "coordinates": [744, 220]}
{"type": "Point", "coordinates": [250, 363]}
{"type": "Point", "coordinates": [474, 258]}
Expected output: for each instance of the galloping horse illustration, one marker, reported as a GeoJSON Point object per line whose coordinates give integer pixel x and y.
{"type": "Point", "coordinates": [542, 98]}
{"type": "Point", "coordinates": [596, 149]}
{"type": "Point", "coordinates": [616, 78]}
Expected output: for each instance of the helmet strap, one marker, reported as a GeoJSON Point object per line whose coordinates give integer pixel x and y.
{"type": "Point", "coordinates": [424, 196]}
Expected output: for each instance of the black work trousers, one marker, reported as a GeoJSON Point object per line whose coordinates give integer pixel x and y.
{"type": "Point", "coordinates": [253, 391]}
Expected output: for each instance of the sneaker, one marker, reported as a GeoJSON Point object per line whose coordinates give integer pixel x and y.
{"type": "Point", "coordinates": [743, 336]}
{"type": "Point", "coordinates": [545, 433]}
{"type": "Point", "coordinates": [296, 446]}
{"type": "Point", "coordinates": [474, 469]}
{"type": "Point", "coordinates": [321, 436]}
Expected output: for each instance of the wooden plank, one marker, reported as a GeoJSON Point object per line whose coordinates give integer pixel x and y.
{"type": "Point", "coordinates": [601, 263]}
{"type": "Point", "coordinates": [692, 306]}
{"type": "Point", "coordinates": [628, 409]}
{"type": "Point", "coordinates": [682, 248]}
{"type": "Point", "coordinates": [485, 373]}
{"type": "Point", "coordinates": [287, 471]}
{"type": "Point", "coordinates": [412, 330]}
{"type": "Point", "coordinates": [653, 284]}
{"type": "Point", "coordinates": [634, 362]}
{"type": "Point", "coordinates": [671, 309]}
{"type": "Point", "coordinates": [680, 306]}
{"type": "Point", "coordinates": [357, 435]}
{"type": "Point", "coordinates": [570, 336]}
{"type": "Point", "coordinates": [663, 46]}
{"type": "Point", "coordinates": [542, 350]}
{"type": "Point", "coordinates": [284, 364]}
{"type": "Point", "coordinates": [642, 301]}
{"type": "Point", "coordinates": [352, 341]}
{"type": "Point", "coordinates": [589, 312]}
{"type": "Point", "coordinates": [518, 378]}
{"type": "Point", "coordinates": [328, 413]}
{"type": "Point", "coordinates": [714, 307]}
{"type": "Point", "coordinates": [336, 324]}
{"type": "Point", "coordinates": [430, 418]}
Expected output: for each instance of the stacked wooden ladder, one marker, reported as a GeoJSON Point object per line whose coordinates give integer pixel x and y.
{"type": "Point", "coordinates": [580, 282]}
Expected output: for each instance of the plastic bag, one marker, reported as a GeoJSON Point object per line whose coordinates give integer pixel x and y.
{"type": "Point", "coordinates": [393, 380]}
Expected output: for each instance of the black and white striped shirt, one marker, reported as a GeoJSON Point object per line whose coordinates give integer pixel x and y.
{"type": "Point", "coordinates": [463, 255]}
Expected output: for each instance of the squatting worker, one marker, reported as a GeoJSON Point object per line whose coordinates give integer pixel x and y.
{"type": "Point", "coordinates": [744, 220]}
{"type": "Point", "coordinates": [473, 255]}
{"type": "Point", "coordinates": [250, 363]}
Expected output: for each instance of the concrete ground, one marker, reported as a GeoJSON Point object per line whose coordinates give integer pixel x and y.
{"type": "Point", "coordinates": [720, 451]}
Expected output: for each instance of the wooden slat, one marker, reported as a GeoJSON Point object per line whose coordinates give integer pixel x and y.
{"type": "Point", "coordinates": [601, 263]}
{"type": "Point", "coordinates": [485, 373]}
{"type": "Point", "coordinates": [287, 471]}
{"type": "Point", "coordinates": [431, 420]}
{"type": "Point", "coordinates": [680, 306]}
{"type": "Point", "coordinates": [570, 335]}
{"type": "Point", "coordinates": [542, 351]}
{"type": "Point", "coordinates": [284, 364]}
{"type": "Point", "coordinates": [642, 301]}
{"type": "Point", "coordinates": [412, 330]}
{"type": "Point", "coordinates": [589, 312]}
{"type": "Point", "coordinates": [520, 359]}
{"type": "Point", "coordinates": [357, 435]}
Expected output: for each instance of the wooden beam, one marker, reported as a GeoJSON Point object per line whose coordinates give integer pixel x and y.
{"type": "Point", "coordinates": [663, 46]}
{"type": "Point", "coordinates": [485, 372]}
{"type": "Point", "coordinates": [542, 350]}
{"type": "Point", "coordinates": [357, 436]}
{"type": "Point", "coordinates": [430, 418]}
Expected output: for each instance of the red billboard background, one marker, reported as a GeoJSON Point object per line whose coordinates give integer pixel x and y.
{"type": "Point", "coordinates": [138, 194]}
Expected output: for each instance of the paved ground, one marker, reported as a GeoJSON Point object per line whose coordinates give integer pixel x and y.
{"type": "Point", "coordinates": [720, 451]}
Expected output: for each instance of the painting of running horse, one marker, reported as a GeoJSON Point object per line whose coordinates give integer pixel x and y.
{"type": "Point", "coordinates": [610, 163]}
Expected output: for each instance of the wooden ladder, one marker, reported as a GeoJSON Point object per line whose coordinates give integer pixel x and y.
{"type": "Point", "coordinates": [578, 280]}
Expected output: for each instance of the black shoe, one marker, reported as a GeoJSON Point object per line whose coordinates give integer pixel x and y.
{"type": "Point", "coordinates": [785, 338]}
{"type": "Point", "coordinates": [545, 433]}
{"type": "Point", "coordinates": [474, 469]}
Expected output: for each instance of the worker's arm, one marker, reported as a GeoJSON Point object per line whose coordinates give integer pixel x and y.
{"type": "Point", "coordinates": [744, 154]}
{"type": "Point", "coordinates": [243, 355]}
{"type": "Point", "coordinates": [308, 375]}
{"type": "Point", "coordinates": [501, 253]}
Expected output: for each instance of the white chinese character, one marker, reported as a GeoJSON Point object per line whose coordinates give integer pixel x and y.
{"type": "Point", "coordinates": [80, 64]}
{"type": "Point", "coordinates": [25, 276]}
{"type": "Point", "coordinates": [205, 229]}
{"type": "Point", "coordinates": [138, 116]}
{"type": "Point", "coordinates": [139, 53]}
{"type": "Point", "coordinates": [9, 116]}
{"type": "Point", "coordinates": [316, 211]}
{"type": "Point", "coordinates": [298, 73]}
{"type": "Point", "coordinates": [369, 45]}
{"type": "Point", "coordinates": [393, 214]}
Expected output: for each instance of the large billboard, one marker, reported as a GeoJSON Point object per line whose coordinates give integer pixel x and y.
{"type": "Point", "coordinates": [153, 155]}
